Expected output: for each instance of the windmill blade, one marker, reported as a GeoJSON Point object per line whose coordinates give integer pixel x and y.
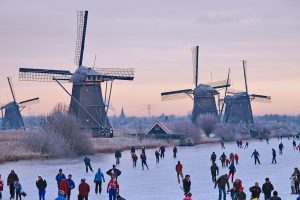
{"type": "Point", "coordinates": [260, 98]}
{"type": "Point", "coordinates": [116, 73]}
{"type": "Point", "coordinates": [195, 59]}
{"type": "Point", "coordinates": [178, 94]}
{"type": "Point", "coordinates": [82, 17]}
{"type": "Point", "coordinates": [43, 75]}
{"type": "Point", "coordinates": [29, 102]}
{"type": "Point", "coordinates": [245, 74]}
{"type": "Point", "coordinates": [11, 88]}
{"type": "Point", "coordinates": [220, 84]}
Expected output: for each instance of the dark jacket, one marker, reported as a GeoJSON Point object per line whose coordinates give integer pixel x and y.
{"type": "Point", "coordinates": [255, 154]}
{"type": "Point", "coordinates": [275, 198]}
{"type": "Point", "coordinates": [214, 169]}
{"type": "Point", "coordinates": [255, 191]}
{"type": "Point", "coordinates": [84, 189]}
{"type": "Point", "coordinates": [241, 195]}
{"type": "Point", "coordinates": [41, 184]}
{"type": "Point", "coordinates": [267, 187]}
{"type": "Point", "coordinates": [222, 181]}
{"type": "Point", "coordinates": [187, 185]}
{"type": "Point", "coordinates": [213, 157]}
{"type": "Point", "coordinates": [87, 161]}
{"type": "Point", "coordinates": [12, 177]}
{"type": "Point", "coordinates": [118, 154]}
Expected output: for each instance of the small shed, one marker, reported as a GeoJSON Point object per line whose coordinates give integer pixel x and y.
{"type": "Point", "coordinates": [158, 128]}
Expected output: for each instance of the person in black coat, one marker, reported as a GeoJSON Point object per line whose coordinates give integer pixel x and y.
{"type": "Point", "coordinates": [213, 157]}
{"type": "Point", "coordinates": [267, 188]}
{"type": "Point", "coordinates": [11, 179]}
{"type": "Point", "coordinates": [186, 184]}
{"type": "Point", "coordinates": [41, 184]}
{"type": "Point", "coordinates": [256, 155]}
{"type": "Point", "coordinates": [255, 191]}
{"type": "Point", "coordinates": [214, 169]}
{"type": "Point", "coordinates": [162, 150]}
{"type": "Point", "coordinates": [174, 151]}
{"type": "Point", "coordinates": [274, 156]}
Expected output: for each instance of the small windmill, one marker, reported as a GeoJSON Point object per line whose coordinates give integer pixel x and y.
{"type": "Point", "coordinates": [203, 95]}
{"type": "Point", "coordinates": [238, 104]}
{"type": "Point", "coordinates": [88, 103]}
{"type": "Point", "coordinates": [11, 112]}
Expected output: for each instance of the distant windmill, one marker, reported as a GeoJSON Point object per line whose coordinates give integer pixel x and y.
{"type": "Point", "coordinates": [11, 112]}
{"type": "Point", "coordinates": [238, 104]}
{"type": "Point", "coordinates": [203, 95]}
{"type": "Point", "coordinates": [87, 102]}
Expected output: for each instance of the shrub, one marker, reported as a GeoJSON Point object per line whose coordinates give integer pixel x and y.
{"type": "Point", "coordinates": [207, 122]}
{"type": "Point", "coordinates": [225, 132]}
{"type": "Point", "coordinates": [187, 128]}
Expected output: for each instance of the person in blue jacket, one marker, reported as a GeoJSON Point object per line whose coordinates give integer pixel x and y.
{"type": "Point", "coordinates": [61, 196]}
{"type": "Point", "coordinates": [98, 181]}
{"type": "Point", "coordinates": [71, 185]}
{"type": "Point", "coordinates": [60, 176]}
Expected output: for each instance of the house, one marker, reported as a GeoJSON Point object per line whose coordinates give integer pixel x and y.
{"type": "Point", "coordinates": [158, 128]}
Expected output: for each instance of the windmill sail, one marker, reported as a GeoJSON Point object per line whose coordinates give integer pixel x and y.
{"type": "Point", "coordinates": [11, 88]}
{"type": "Point", "coordinates": [178, 94]}
{"type": "Point", "coordinates": [220, 84]}
{"type": "Point", "coordinates": [43, 75]}
{"type": "Point", "coordinates": [195, 59]}
{"type": "Point", "coordinates": [82, 17]}
{"type": "Point", "coordinates": [116, 73]}
{"type": "Point", "coordinates": [29, 102]}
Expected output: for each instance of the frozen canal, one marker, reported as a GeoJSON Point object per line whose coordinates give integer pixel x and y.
{"type": "Point", "coordinates": [160, 181]}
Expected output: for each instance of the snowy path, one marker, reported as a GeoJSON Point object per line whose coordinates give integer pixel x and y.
{"type": "Point", "coordinates": [160, 181]}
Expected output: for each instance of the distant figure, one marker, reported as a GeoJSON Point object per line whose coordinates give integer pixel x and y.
{"type": "Point", "coordinates": [61, 196]}
{"type": "Point", "coordinates": [267, 188]}
{"type": "Point", "coordinates": [213, 157]}
{"type": "Point", "coordinates": [222, 145]}
{"type": "Point", "coordinates": [132, 150]}
{"type": "Point", "coordinates": [41, 184]}
{"type": "Point", "coordinates": [84, 190]}
{"type": "Point", "coordinates": [99, 177]}
{"type": "Point", "coordinates": [214, 170]}
{"type": "Point", "coordinates": [274, 156]}
{"type": "Point", "coordinates": [162, 150]}
{"type": "Point", "coordinates": [294, 145]}
{"type": "Point", "coordinates": [246, 145]}
{"type": "Point", "coordinates": [174, 152]}
{"type": "Point", "coordinates": [231, 156]}
{"type": "Point", "coordinates": [87, 163]}
{"type": "Point", "coordinates": [232, 170]}
{"type": "Point", "coordinates": [178, 169]}
{"type": "Point", "coordinates": [11, 179]}
{"type": "Point", "coordinates": [256, 155]}
{"type": "Point", "coordinates": [186, 184]}
{"type": "Point", "coordinates": [221, 182]}
{"type": "Point", "coordinates": [134, 159]}
{"type": "Point", "coordinates": [267, 140]}
{"type": "Point", "coordinates": [59, 176]}
{"type": "Point", "coordinates": [223, 159]}
{"type": "Point", "coordinates": [71, 185]}
{"type": "Point", "coordinates": [144, 160]}
{"type": "Point", "coordinates": [118, 155]}
{"type": "Point", "coordinates": [113, 189]}
{"type": "Point", "coordinates": [113, 172]}
{"type": "Point", "coordinates": [241, 144]}
{"type": "Point", "coordinates": [143, 150]}
{"type": "Point", "coordinates": [64, 186]}
{"type": "Point", "coordinates": [1, 187]}
{"type": "Point", "coordinates": [236, 157]}
{"type": "Point", "coordinates": [157, 156]}
{"type": "Point", "coordinates": [280, 146]}
{"type": "Point", "coordinates": [276, 197]}
{"type": "Point", "coordinates": [255, 191]}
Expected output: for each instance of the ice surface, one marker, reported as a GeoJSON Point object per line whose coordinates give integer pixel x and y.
{"type": "Point", "coordinates": [160, 182]}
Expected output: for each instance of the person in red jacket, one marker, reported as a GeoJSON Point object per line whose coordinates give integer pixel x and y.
{"type": "Point", "coordinates": [236, 157]}
{"type": "Point", "coordinates": [1, 187]}
{"type": "Point", "coordinates": [188, 196]}
{"type": "Point", "coordinates": [84, 190]}
{"type": "Point", "coordinates": [113, 189]}
{"type": "Point", "coordinates": [179, 171]}
{"type": "Point", "coordinates": [63, 186]}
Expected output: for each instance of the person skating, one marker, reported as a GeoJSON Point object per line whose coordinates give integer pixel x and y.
{"type": "Point", "coordinates": [143, 150]}
{"type": "Point", "coordinates": [157, 156]}
{"type": "Point", "coordinates": [162, 150]}
{"type": "Point", "coordinates": [275, 196]}
{"type": "Point", "coordinates": [61, 195]}
{"type": "Point", "coordinates": [221, 182]}
{"type": "Point", "coordinates": [280, 146]}
{"type": "Point", "coordinates": [236, 158]}
{"type": "Point", "coordinates": [232, 170]}
{"type": "Point", "coordinates": [222, 145]}
{"type": "Point", "coordinates": [231, 156]}
{"type": "Point", "coordinates": [241, 144]}
{"type": "Point", "coordinates": [134, 159]}
{"type": "Point", "coordinates": [214, 170]}
{"type": "Point", "coordinates": [256, 155]}
{"type": "Point", "coordinates": [241, 195]}
{"type": "Point", "coordinates": [63, 185]}
{"type": "Point", "coordinates": [223, 159]}
{"type": "Point", "coordinates": [186, 183]}
{"type": "Point", "coordinates": [84, 190]}
{"type": "Point", "coordinates": [99, 177]}
{"type": "Point", "coordinates": [71, 185]}
{"type": "Point", "coordinates": [113, 172]}
{"type": "Point", "coordinates": [246, 145]}
{"type": "Point", "coordinates": [1, 187]}
{"type": "Point", "coordinates": [132, 150]}
{"type": "Point", "coordinates": [213, 157]}
{"type": "Point", "coordinates": [255, 191]}
{"type": "Point", "coordinates": [294, 145]}
{"type": "Point", "coordinates": [237, 187]}
{"type": "Point", "coordinates": [293, 180]}
{"type": "Point", "coordinates": [18, 188]}
{"type": "Point", "coordinates": [274, 161]}
{"type": "Point", "coordinates": [267, 189]}
{"type": "Point", "coordinates": [178, 169]}
{"type": "Point", "coordinates": [296, 173]}
{"type": "Point", "coordinates": [144, 160]}
{"type": "Point", "coordinates": [87, 163]}
{"type": "Point", "coordinates": [41, 184]}
{"type": "Point", "coordinates": [267, 140]}
{"type": "Point", "coordinates": [59, 176]}
{"type": "Point", "coordinates": [174, 152]}
{"type": "Point", "coordinates": [118, 155]}
{"type": "Point", "coordinates": [11, 179]}
{"type": "Point", "coordinates": [188, 196]}
{"type": "Point", "coordinates": [113, 189]}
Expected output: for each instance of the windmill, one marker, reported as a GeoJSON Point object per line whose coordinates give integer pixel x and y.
{"type": "Point", "coordinates": [88, 103]}
{"type": "Point", "coordinates": [203, 95]}
{"type": "Point", "coordinates": [238, 104]}
{"type": "Point", "coordinates": [11, 112]}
